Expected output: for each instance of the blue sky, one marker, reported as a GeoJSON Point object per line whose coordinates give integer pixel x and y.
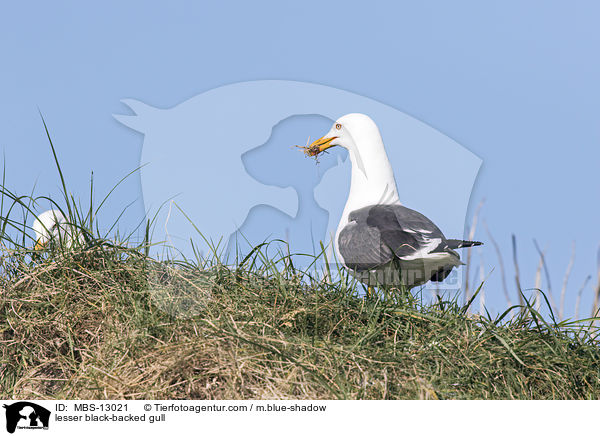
{"type": "Point", "coordinates": [514, 82]}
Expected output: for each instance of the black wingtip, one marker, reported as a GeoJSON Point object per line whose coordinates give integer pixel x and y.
{"type": "Point", "coordinates": [458, 243]}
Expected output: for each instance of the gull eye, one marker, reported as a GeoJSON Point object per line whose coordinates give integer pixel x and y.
{"type": "Point", "coordinates": [338, 126]}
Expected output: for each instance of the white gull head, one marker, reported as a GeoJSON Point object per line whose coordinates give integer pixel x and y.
{"type": "Point", "coordinates": [372, 179]}
{"type": "Point", "coordinates": [51, 225]}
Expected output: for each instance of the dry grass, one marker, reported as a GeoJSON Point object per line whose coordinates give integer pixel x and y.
{"type": "Point", "coordinates": [110, 323]}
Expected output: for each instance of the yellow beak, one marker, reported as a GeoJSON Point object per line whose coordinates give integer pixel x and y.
{"type": "Point", "coordinates": [320, 145]}
{"type": "Point", "coordinates": [39, 244]}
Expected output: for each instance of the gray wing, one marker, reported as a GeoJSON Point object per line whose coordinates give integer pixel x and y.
{"type": "Point", "coordinates": [375, 235]}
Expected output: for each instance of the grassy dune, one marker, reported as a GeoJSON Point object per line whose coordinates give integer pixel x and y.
{"type": "Point", "coordinates": [108, 322]}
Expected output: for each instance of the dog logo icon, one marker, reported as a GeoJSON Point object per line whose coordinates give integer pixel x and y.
{"type": "Point", "coordinates": [26, 415]}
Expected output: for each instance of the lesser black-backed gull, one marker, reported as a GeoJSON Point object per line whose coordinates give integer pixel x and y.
{"type": "Point", "coordinates": [53, 226]}
{"type": "Point", "coordinates": [382, 242]}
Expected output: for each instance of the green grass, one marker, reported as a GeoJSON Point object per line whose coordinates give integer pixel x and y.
{"type": "Point", "coordinates": [96, 324]}
{"type": "Point", "coordinates": [107, 321]}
